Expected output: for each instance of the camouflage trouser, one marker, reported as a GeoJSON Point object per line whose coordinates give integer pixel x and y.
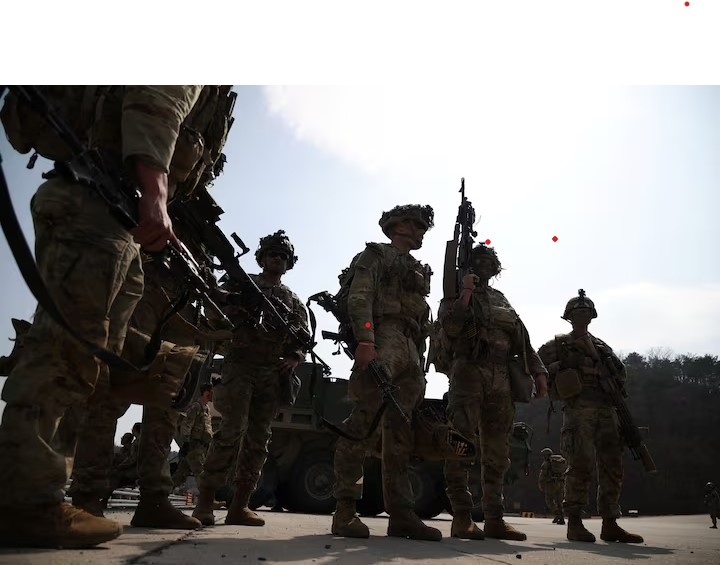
{"type": "Point", "coordinates": [481, 408]}
{"type": "Point", "coordinates": [95, 446]}
{"type": "Point", "coordinates": [93, 475]}
{"type": "Point", "coordinates": [92, 269]}
{"type": "Point", "coordinates": [191, 462]}
{"type": "Point", "coordinates": [554, 497]}
{"type": "Point", "coordinates": [590, 434]}
{"type": "Point", "coordinates": [248, 401]}
{"type": "Point", "coordinates": [400, 357]}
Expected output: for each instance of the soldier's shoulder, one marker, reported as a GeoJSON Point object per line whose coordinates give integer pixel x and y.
{"type": "Point", "coordinates": [372, 254]}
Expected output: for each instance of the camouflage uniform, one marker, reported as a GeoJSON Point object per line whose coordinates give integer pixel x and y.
{"type": "Point", "coordinates": [92, 269]}
{"type": "Point", "coordinates": [92, 476]}
{"type": "Point", "coordinates": [387, 308]}
{"type": "Point", "coordinates": [196, 432]}
{"type": "Point", "coordinates": [480, 405]}
{"type": "Point", "coordinates": [393, 300]}
{"type": "Point", "coordinates": [590, 428]}
{"type": "Point", "coordinates": [248, 399]}
{"type": "Point", "coordinates": [590, 435]}
{"type": "Point", "coordinates": [551, 481]}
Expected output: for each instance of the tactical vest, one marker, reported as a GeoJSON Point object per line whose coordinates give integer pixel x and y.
{"type": "Point", "coordinates": [558, 465]}
{"type": "Point", "coordinates": [93, 113]}
{"type": "Point", "coordinates": [578, 374]}
{"type": "Point", "coordinates": [404, 284]}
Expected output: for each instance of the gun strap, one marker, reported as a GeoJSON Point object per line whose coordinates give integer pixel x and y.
{"type": "Point", "coordinates": [313, 381]}
{"type": "Point", "coordinates": [26, 264]}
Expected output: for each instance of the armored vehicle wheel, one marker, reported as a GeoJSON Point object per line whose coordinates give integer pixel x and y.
{"type": "Point", "coordinates": [371, 503]}
{"type": "Point", "coordinates": [428, 497]}
{"type": "Point", "coordinates": [311, 483]}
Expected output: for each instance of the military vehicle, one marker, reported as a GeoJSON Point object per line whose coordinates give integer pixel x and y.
{"type": "Point", "coordinates": [298, 474]}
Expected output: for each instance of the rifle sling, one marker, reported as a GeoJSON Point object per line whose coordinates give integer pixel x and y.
{"type": "Point", "coordinates": [313, 380]}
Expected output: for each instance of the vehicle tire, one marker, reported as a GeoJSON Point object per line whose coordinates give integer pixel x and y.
{"type": "Point", "coordinates": [428, 497]}
{"type": "Point", "coordinates": [311, 483]}
{"type": "Point", "coordinates": [266, 487]}
{"type": "Point", "coordinates": [371, 504]}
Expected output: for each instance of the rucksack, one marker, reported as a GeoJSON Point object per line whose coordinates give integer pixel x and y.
{"type": "Point", "coordinates": [557, 465]}
{"type": "Point", "coordinates": [346, 277]}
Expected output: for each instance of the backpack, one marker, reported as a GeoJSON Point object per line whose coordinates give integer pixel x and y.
{"type": "Point", "coordinates": [346, 277]}
{"type": "Point", "coordinates": [558, 465]}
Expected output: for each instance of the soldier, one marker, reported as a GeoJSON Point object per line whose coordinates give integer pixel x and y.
{"type": "Point", "coordinates": [196, 433]}
{"type": "Point", "coordinates": [91, 265]}
{"type": "Point", "coordinates": [248, 395]}
{"type": "Point", "coordinates": [590, 425]}
{"type": "Point", "coordinates": [208, 123]}
{"type": "Point", "coordinates": [126, 442]}
{"type": "Point", "coordinates": [389, 314]}
{"type": "Point", "coordinates": [551, 480]}
{"type": "Point", "coordinates": [484, 333]}
{"type": "Point", "coordinates": [712, 501]}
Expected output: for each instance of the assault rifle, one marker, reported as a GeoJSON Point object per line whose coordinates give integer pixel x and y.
{"type": "Point", "coordinates": [198, 214]}
{"type": "Point", "coordinates": [345, 339]}
{"type": "Point", "coordinates": [458, 250]}
{"type": "Point", "coordinates": [120, 194]}
{"type": "Point", "coordinates": [629, 431]}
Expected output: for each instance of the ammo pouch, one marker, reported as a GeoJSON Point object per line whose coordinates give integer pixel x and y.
{"type": "Point", "coordinates": [160, 383]}
{"type": "Point", "coordinates": [437, 440]}
{"type": "Point", "coordinates": [289, 388]}
{"type": "Point", "coordinates": [567, 383]}
{"type": "Point", "coordinates": [522, 385]}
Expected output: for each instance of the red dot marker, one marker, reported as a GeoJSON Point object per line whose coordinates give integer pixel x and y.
{"type": "Point", "coordinates": [487, 242]}
{"type": "Point", "coordinates": [555, 238]}
{"type": "Point", "coordinates": [687, 3]}
{"type": "Point", "coordinates": [368, 325]}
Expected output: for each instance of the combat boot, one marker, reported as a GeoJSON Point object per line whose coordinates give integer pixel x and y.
{"type": "Point", "coordinates": [90, 503]}
{"type": "Point", "coordinates": [499, 529]}
{"type": "Point", "coordinates": [612, 532]}
{"type": "Point", "coordinates": [204, 507]}
{"type": "Point", "coordinates": [555, 520]}
{"type": "Point", "coordinates": [58, 526]}
{"type": "Point", "coordinates": [560, 520]}
{"type": "Point", "coordinates": [406, 524]}
{"type": "Point", "coordinates": [239, 514]}
{"type": "Point", "coordinates": [155, 511]}
{"type": "Point", "coordinates": [463, 526]}
{"type": "Point", "coordinates": [346, 523]}
{"type": "Point", "coordinates": [576, 531]}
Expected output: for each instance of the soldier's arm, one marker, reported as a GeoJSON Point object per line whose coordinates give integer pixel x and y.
{"type": "Point", "coordinates": [189, 422]}
{"type": "Point", "coordinates": [454, 318]}
{"type": "Point", "coordinates": [362, 294]}
{"type": "Point", "coordinates": [150, 123]}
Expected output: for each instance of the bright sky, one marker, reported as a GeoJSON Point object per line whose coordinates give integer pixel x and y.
{"type": "Point", "coordinates": [626, 177]}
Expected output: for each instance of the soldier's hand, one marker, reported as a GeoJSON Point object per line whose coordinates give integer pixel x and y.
{"type": "Point", "coordinates": [541, 387]}
{"type": "Point", "coordinates": [288, 365]}
{"type": "Point", "coordinates": [154, 230]}
{"type": "Point", "coordinates": [470, 281]}
{"type": "Point", "coordinates": [364, 354]}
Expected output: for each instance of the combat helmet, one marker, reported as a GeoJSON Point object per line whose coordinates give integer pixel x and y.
{"type": "Point", "coordinates": [709, 486]}
{"type": "Point", "coordinates": [415, 212]}
{"type": "Point", "coordinates": [482, 250]}
{"type": "Point", "coordinates": [277, 241]}
{"type": "Point", "coordinates": [579, 301]}
{"type": "Point", "coordinates": [126, 438]}
{"type": "Point", "coordinates": [547, 452]}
